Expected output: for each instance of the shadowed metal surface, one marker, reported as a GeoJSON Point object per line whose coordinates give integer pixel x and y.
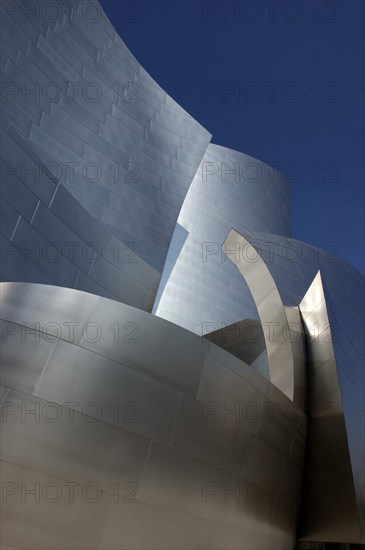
{"type": "Point", "coordinates": [328, 489]}
{"type": "Point", "coordinates": [93, 151]}
{"type": "Point", "coordinates": [284, 371]}
{"type": "Point", "coordinates": [336, 326]}
{"type": "Point", "coordinates": [204, 451]}
{"type": "Point", "coordinates": [244, 340]}
{"type": "Point", "coordinates": [47, 236]}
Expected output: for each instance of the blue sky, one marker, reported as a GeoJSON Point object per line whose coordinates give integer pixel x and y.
{"type": "Point", "coordinates": [296, 69]}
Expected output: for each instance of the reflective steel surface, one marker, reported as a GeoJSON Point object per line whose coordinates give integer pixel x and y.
{"type": "Point", "coordinates": [96, 157]}
{"type": "Point", "coordinates": [200, 289]}
{"type": "Point", "coordinates": [167, 440]}
{"type": "Point", "coordinates": [286, 369]}
{"type": "Point", "coordinates": [330, 482]}
{"type": "Point", "coordinates": [332, 311]}
{"type": "Point", "coordinates": [233, 415]}
{"type": "Point", "coordinates": [246, 341]}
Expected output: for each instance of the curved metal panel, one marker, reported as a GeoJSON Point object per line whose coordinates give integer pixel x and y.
{"type": "Point", "coordinates": [285, 370]}
{"type": "Point", "coordinates": [338, 326]}
{"type": "Point", "coordinates": [47, 236]}
{"type": "Point", "coordinates": [330, 483]}
{"type": "Point", "coordinates": [167, 440]}
{"type": "Point", "coordinates": [97, 151]}
{"type": "Point", "coordinates": [244, 340]}
{"type": "Point", "coordinates": [199, 289]}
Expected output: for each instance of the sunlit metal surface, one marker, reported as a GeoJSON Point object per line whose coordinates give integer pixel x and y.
{"type": "Point", "coordinates": [333, 316]}
{"type": "Point", "coordinates": [285, 371]}
{"type": "Point", "coordinates": [122, 429]}
{"type": "Point", "coordinates": [184, 445]}
{"type": "Point", "coordinates": [200, 289]}
{"type": "Point", "coordinates": [330, 481]}
{"type": "Point", "coordinates": [96, 157]}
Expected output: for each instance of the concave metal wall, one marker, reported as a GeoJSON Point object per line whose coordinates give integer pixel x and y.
{"type": "Point", "coordinates": [177, 443]}
{"type": "Point", "coordinates": [332, 505]}
{"type": "Point", "coordinates": [81, 118]}
{"type": "Point", "coordinates": [333, 316]}
{"type": "Point", "coordinates": [200, 289]}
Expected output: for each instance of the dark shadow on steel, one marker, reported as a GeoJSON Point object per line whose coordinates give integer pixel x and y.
{"type": "Point", "coordinates": [286, 369]}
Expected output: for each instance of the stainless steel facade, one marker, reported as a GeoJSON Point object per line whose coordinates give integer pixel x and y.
{"type": "Point", "coordinates": [336, 435]}
{"type": "Point", "coordinates": [332, 313]}
{"type": "Point", "coordinates": [230, 189]}
{"type": "Point", "coordinates": [97, 153]}
{"type": "Point", "coordinates": [232, 416]}
{"type": "Point", "coordinates": [203, 451]}
{"type": "Point", "coordinates": [286, 354]}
